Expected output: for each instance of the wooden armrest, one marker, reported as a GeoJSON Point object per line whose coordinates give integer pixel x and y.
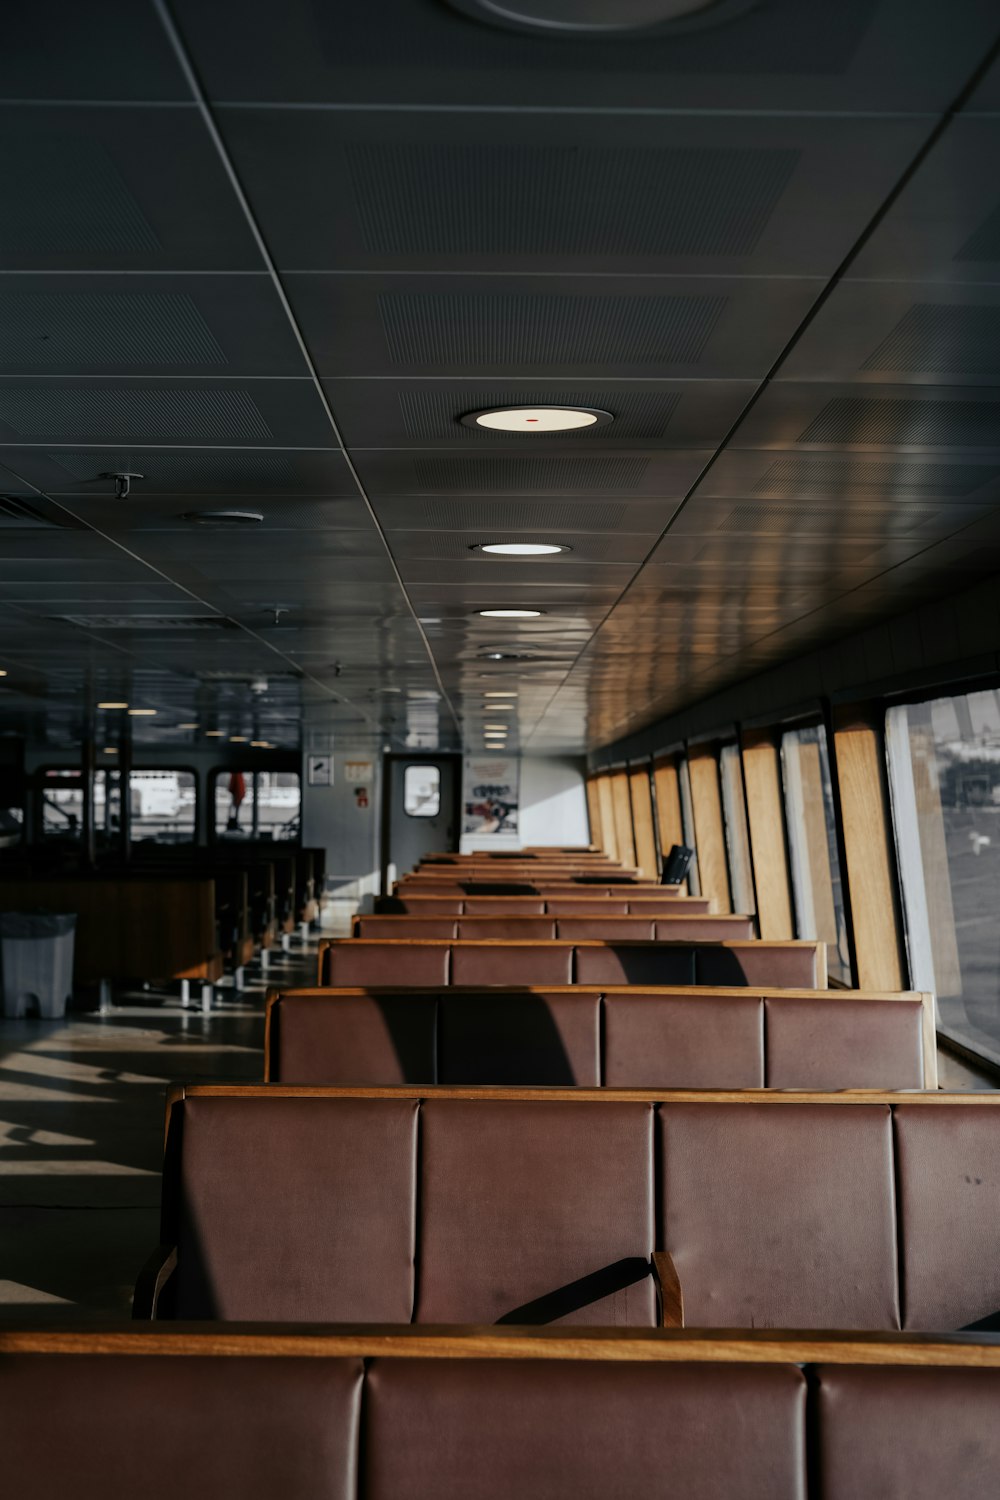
{"type": "Point", "coordinates": [668, 1287]}
{"type": "Point", "coordinates": [151, 1280]}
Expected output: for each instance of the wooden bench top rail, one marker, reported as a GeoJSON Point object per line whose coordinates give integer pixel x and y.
{"type": "Point", "coordinates": [547, 943]}
{"type": "Point", "coordinates": [426, 1341]}
{"type": "Point", "coordinates": [932, 1099]}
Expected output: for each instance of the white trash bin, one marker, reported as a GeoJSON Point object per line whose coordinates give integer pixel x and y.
{"type": "Point", "coordinates": [36, 961]}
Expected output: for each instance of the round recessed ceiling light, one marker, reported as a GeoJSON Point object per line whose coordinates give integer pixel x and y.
{"type": "Point", "coordinates": [142, 713]}
{"type": "Point", "coordinates": [223, 517]}
{"type": "Point", "coordinates": [500, 693]}
{"type": "Point", "coordinates": [187, 726]}
{"type": "Point", "coordinates": [112, 705]}
{"type": "Point", "coordinates": [510, 614]}
{"type": "Point", "coordinates": [237, 739]}
{"type": "Point", "coordinates": [534, 419]}
{"type": "Point", "coordinates": [521, 549]}
{"type": "Point", "coordinates": [495, 728]}
{"type": "Point", "coordinates": [110, 750]}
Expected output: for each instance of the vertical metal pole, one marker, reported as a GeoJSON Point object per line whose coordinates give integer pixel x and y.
{"type": "Point", "coordinates": [88, 771]}
{"type": "Point", "coordinates": [125, 792]}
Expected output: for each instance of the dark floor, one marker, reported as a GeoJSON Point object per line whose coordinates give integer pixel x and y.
{"type": "Point", "coordinates": [81, 1136]}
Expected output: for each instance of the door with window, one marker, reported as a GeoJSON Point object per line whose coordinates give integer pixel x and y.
{"type": "Point", "coordinates": [422, 810]}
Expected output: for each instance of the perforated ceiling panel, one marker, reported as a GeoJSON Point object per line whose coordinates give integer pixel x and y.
{"type": "Point", "coordinates": [142, 413]}
{"type": "Point", "coordinates": [890, 422]}
{"type": "Point", "coordinates": [423, 329]}
{"type": "Point", "coordinates": [63, 192]}
{"type": "Point", "coordinates": [985, 243]}
{"type": "Point", "coordinates": [522, 201]}
{"type": "Point", "coordinates": [131, 328]}
{"type": "Point", "coordinates": [528, 475]}
{"type": "Point", "coordinates": [503, 516]}
{"type": "Point", "coordinates": [936, 337]}
{"type": "Point", "coordinates": [819, 475]}
{"type": "Point", "coordinates": [186, 471]}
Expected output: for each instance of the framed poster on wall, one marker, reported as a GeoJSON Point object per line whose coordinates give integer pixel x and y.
{"type": "Point", "coordinates": [490, 794]}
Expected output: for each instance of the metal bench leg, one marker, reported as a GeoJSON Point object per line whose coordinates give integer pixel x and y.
{"type": "Point", "coordinates": [185, 992]}
{"type": "Point", "coordinates": [206, 998]}
{"type": "Point", "coordinates": [104, 1002]}
{"type": "Point", "coordinates": [239, 978]}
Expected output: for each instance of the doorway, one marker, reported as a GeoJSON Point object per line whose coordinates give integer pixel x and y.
{"type": "Point", "coordinates": [421, 813]}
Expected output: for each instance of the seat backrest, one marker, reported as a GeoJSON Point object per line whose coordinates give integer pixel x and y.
{"type": "Point", "coordinates": [507, 929]}
{"type": "Point", "coordinates": [780, 1215]}
{"type": "Point", "coordinates": [575, 906]}
{"type": "Point", "coordinates": [677, 1041]}
{"type": "Point", "coordinates": [703, 928]}
{"type": "Point", "coordinates": [379, 1039]}
{"type": "Point", "coordinates": [156, 1423]}
{"type": "Point", "coordinates": [509, 1428]}
{"type": "Point", "coordinates": [305, 1213]}
{"type": "Point", "coordinates": [948, 1168]}
{"type": "Point", "coordinates": [514, 964]}
{"type": "Point", "coordinates": [357, 962]}
{"type": "Point", "coordinates": [530, 1214]}
{"type": "Point", "coordinates": [504, 906]}
{"type": "Point", "coordinates": [605, 929]}
{"type": "Point", "coordinates": [818, 1044]}
{"type": "Point", "coordinates": [405, 926]}
{"type": "Point", "coordinates": [519, 1038]}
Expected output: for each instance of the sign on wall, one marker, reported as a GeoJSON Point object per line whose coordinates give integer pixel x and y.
{"type": "Point", "coordinates": [320, 770]}
{"type": "Point", "coordinates": [490, 794]}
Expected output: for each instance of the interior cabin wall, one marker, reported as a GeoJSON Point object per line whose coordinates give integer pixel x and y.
{"type": "Point", "coordinates": [343, 819]}
{"type": "Point", "coordinates": [950, 640]}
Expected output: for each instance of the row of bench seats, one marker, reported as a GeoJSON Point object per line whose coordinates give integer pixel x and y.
{"type": "Point", "coordinates": [431, 962]}
{"type": "Point", "coordinates": [655, 904]}
{"type": "Point", "coordinates": [321, 1415]}
{"type": "Point", "coordinates": [828, 1039]}
{"type": "Point", "coordinates": [864, 1211]}
{"type": "Point", "coordinates": [676, 926]}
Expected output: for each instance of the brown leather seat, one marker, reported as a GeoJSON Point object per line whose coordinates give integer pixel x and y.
{"type": "Point", "coordinates": [605, 929]}
{"type": "Point", "coordinates": [510, 964]}
{"type": "Point", "coordinates": [359, 1039]}
{"type": "Point", "coordinates": [699, 929]}
{"type": "Point", "coordinates": [154, 1425]}
{"type": "Point", "coordinates": [507, 929]}
{"type": "Point", "coordinates": [394, 928]}
{"type": "Point", "coordinates": [332, 1180]}
{"type": "Point", "coordinates": [504, 906]}
{"type": "Point", "coordinates": [775, 965]}
{"type": "Point", "coordinates": [920, 1434]}
{"type": "Point", "coordinates": [877, 1044]}
{"type": "Point", "coordinates": [780, 1216]}
{"type": "Point", "coordinates": [621, 964]}
{"type": "Point", "coordinates": [519, 1039]}
{"type": "Point", "coordinates": [948, 1168]}
{"type": "Point", "coordinates": [593, 1432]}
{"type": "Point", "coordinates": [425, 906]}
{"type": "Point", "coordinates": [670, 1041]}
{"type": "Point", "coordinates": [669, 906]}
{"type": "Point", "coordinates": [374, 964]}
{"type": "Point", "coordinates": [535, 1214]}
{"type": "Point", "coordinates": [567, 906]}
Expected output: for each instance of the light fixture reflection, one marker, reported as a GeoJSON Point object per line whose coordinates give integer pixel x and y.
{"type": "Point", "coordinates": [510, 614]}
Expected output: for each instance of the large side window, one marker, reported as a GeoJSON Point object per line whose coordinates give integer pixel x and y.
{"type": "Point", "coordinates": [944, 775]}
{"type": "Point", "coordinates": [687, 823]}
{"type": "Point", "coordinates": [812, 840]}
{"type": "Point", "coordinates": [734, 808]}
{"type": "Point", "coordinates": [62, 806]}
{"type": "Point", "coordinates": [257, 805]}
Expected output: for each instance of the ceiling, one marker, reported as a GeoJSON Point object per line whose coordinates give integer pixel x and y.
{"type": "Point", "coordinates": [267, 257]}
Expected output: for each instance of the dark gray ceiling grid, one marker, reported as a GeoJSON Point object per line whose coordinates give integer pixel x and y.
{"type": "Point", "coordinates": [460, 218]}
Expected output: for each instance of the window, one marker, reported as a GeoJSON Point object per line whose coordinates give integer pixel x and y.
{"type": "Point", "coordinates": [687, 822]}
{"type": "Point", "coordinates": [812, 843]}
{"type": "Point", "coordinates": [62, 805]}
{"type": "Point", "coordinates": [734, 809]}
{"type": "Point", "coordinates": [944, 776]}
{"type": "Point", "coordinates": [261, 805]}
{"type": "Point", "coordinates": [422, 791]}
{"type": "Point", "coordinates": [163, 806]}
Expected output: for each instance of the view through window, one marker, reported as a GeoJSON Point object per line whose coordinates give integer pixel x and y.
{"type": "Point", "coordinates": [257, 805]}
{"type": "Point", "coordinates": [944, 771]}
{"type": "Point", "coordinates": [812, 843]}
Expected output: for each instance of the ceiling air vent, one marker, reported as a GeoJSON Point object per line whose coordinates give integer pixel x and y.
{"type": "Point", "coordinates": [148, 623]}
